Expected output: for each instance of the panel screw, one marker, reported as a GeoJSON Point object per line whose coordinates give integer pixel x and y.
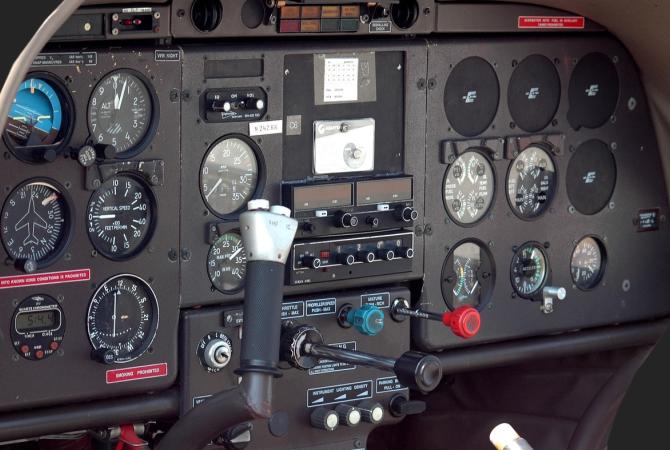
{"type": "Point", "coordinates": [625, 285]}
{"type": "Point", "coordinates": [612, 205]}
{"type": "Point", "coordinates": [571, 209]}
{"type": "Point", "coordinates": [115, 31]}
{"type": "Point", "coordinates": [432, 83]}
{"type": "Point", "coordinates": [632, 103]}
{"type": "Point", "coordinates": [172, 255]}
{"type": "Point", "coordinates": [157, 15]}
{"type": "Point", "coordinates": [174, 95]}
{"type": "Point", "coordinates": [613, 145]}
{"type": "Point", "coordinates": [181, 13]}
{"type": "Point", "coordinates": [421, 84]}
{"type": "Point", "coordinates": [185, 254]}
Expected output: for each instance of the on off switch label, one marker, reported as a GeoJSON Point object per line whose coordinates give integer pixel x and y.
{"type": "Point", "coordinates": [292, 310]}
{"type": "Point", "coordinates": [327, 366]}
{"type": "Point", "coordinates": [381, 300]}
{"type": "Point", "coordinates": [389, 384]}
{"type": "Point", "coordinates": [339, 393]}
{"type": "Point", "coordinates": [321, 307]}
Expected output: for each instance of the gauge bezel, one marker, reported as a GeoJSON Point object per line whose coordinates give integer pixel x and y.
{"type": "Point", "coordinates": [151, 336]}
{"type": "Point", "coordinates": [260, 178]}
{"type": "Point", "coordinates": [603, 262]}
{"type": "Point", "coordinates": [548, 150]}
{"type": "Point", "coordinates": [536, 294]}
{"type": "Point", "coordinates": [69, 119]}
{"type": "Point", "coordinates": [69, 213]}
{"type": "Point", "coordinates": [140, 146]}
{"type": "Point", "coordinates": [219, 234]}
{"type": "Point", "coordinates": [487, 213]}
{"type": "Point", "coordinates": [486, 294]}
{"type": "Point", "coordinates": [152, 226]}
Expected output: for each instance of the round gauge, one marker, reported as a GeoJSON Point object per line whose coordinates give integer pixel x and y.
{"type": "Point", "coordinates": [468, 188]}
{"type": "Point", "coordinates": [468, 276]}
{"type": "Point", "coordinates": [121, 112]}
{"type": "Point", "coordinates": [123, 318]}
{"type": "Point", "coordinates": [531, 182]}
{"type": "Point", "coordinates": [38, 327]}
{"type": "Point", "coordinates": [529, 269]}
{"type": "Point", "coordinates": [39, 119]}
{"type": "Point", "coordinates": [121, 217]}
{"type": "Point", "coordinates": [588, 263]}
{"type": "Point", "coordinates": [227, 263]}
{"type": "Point", "coordinates": [36, 222]}
{"type": "Point", "coordinates": [229, 175]}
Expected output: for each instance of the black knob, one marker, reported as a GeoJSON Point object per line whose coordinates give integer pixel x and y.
{"type": "Point", "coordinates": [405, 252]}
{"type": "Point", "coordinates": [365, 256]}
{"type": "Point", "coordinates": [406, 213]}
{"type": "Point", "coordinates": [418, 371]}
{"type": "Point", "coordinates": [26, 265]}
{"type": "Point", "coordinates": [346, 259]}
{"type": "Point", "coordinates": [308, 227]}
{"type": "Point", "coordinates": [103, 355]}
{"type": "Point", "coordinates": [348, 415]}
{"type": "Point", "coordinates": [311, 261]}
{"type": "Point", "coordinates": [385, 254]}
{"type": "Point", "coordinates": [346, 220]}
{"type": "Point", "coordinates": [237, 437]}
{"type": "Point", "coordinates": [371, 411]}
{"type": "Point", "coordinates": [48, 155]}
{"type": "Point", "coordinates": [105, 151]}
{"type": "Point", "coordinates": [400, 406]}
{"type": "Point", "coordinates": [372, 221]}
{"type": "Point", "coordinates": [324, 418]}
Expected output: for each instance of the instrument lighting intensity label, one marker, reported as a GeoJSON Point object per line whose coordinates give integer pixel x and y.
{"type": "Point", "coordinates": [339, 393]}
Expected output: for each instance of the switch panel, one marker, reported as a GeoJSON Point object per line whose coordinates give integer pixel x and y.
{"type": "Point", "coordinates": [234, 105]}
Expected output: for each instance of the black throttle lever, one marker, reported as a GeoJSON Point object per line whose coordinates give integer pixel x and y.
{"type": "Point", "coordinates": [303, 348]}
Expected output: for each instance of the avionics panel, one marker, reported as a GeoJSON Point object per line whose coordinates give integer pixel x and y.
{"type": "Point", "coordinates": [542, 153]}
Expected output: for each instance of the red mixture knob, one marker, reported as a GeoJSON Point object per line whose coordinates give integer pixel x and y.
{"type": "Point", "coordinates": [464, 321]}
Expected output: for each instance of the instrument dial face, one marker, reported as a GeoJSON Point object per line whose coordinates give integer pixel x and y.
{"type": "Point", "coordinates": [529, 269]}
{"type": "Point", "coordinates": [531, 182]}
{"type": "Point", "coordinates": [120, 112]}
{"type": "Point", "coordinates": [587, 263]}
{"type": "Point", "coordinates": [468, 275]}
{"type": "Point", "coordinates": [121, 217]}
{"type": "Point", "coordinates": [36, 116]}
{"type": "Point", "coordinates": [123, 317]}
{"type": "Point", "coordinates": [468, 188]}
{"type": "Point", "coordinates": [229, 175]}
{"type": "Point", "coordinates": [227, 263]}
{"type": "Point", "coordinates": [35, 222]}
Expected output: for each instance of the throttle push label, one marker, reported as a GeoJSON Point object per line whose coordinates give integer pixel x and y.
{"type": "Point", "coordinates": [327, 366]}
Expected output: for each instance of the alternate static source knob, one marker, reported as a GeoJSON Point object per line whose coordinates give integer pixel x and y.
{"type": "Point", "coordinates": [367, 320]}
{"type": "Point", "coordinates": [406, 213]}
{"type": "Point", "coordinates": [324, 418]}
{"type": "Point", "coordinates": [371, 411]}
{"type": "Point", "coordinates": [348, 415]}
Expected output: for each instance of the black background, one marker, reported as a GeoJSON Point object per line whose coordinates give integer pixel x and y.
{"type": "Point", "coordinates": [642, 419]}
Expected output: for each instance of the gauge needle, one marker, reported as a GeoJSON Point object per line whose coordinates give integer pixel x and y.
{"type": "Point", "coordinates": [114, 317]}
{"type": "Point", "coordinates": [214, 188]}
{"type": "Point", "coordinates": [43, 118]}
{"type": "Point", "coordinates": [123, 89]}
{"type": "Point", "coordinates": [105, 216]}
{"type": "Point", "coordinates": [235, 254]}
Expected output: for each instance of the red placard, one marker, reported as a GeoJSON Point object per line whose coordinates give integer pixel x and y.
{"type": "Point", "coordinates": [552, 22]}
{"type": "Point", "coordinates": [136, 373]}
{"type": "Point", "coordinates": [38, 279]}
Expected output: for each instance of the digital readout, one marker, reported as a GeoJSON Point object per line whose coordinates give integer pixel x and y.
{"type": "Point", "coordinates": [322, 196]}
{"type": "Point", "coordinates": [29, 322]}
{"type": "Point", "coordinates": [382, 191]}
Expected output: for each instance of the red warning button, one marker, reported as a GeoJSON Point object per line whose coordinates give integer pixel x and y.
{"type": "Point", "coordinates": [552, 22]}
{"type": "Point", "coordinates": [137, 373]}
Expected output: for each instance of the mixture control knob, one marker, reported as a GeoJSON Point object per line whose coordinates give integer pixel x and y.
{"type": "Point", "coordinates": [464, 321]}
{"type": "Point", "coordinates": [371, 411]}
{"type": "Point", "coordinates": [348, 415]}
{"type": "Point", "coordinates": [385, 254]}
{"type": "Point", "coordinates": [368, 319]}
{"type": "Point", "coordinates": [406, 213]}
{"type": "Point", "coordinates": [365, 256]}
{"type": "Point", "coordinates": [324, 418]}
{"type": "Point", "coordinates": [346, 259]}
{"type": "Point", "coordinates": [311, 261]}
{"type": "Point", "coordinates": [346, 220]}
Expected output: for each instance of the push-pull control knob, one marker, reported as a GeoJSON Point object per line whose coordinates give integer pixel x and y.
{"type": "Point", "coordinates": [348, 415]}
{"type": "Point", "coordinates": [406, 213]}
{"type": "Point", "coordinates": [367, 320]}
{"type": "Point", "coordinates": [464, 322]}
{"type": "Point", "coordinates": [311, 261]}
{"type": "Point", "coordinates": [324, 418]}
{"type": "Point", "coordinates": [371, 411]}
{"type": "Point", "coordinates": [345, 220]}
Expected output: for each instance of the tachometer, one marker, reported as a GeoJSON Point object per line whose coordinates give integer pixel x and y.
{"type": "Point", "coordinates": [468, 275]}
{"type": "Point", "coordinates": [588, 263]}
{"type": "Point", "coordinates": [122, 318]}
{"type": "Point", "coordinates": [531, 182]}
{"type": "Point", "coordinates": [227, 263]}
{"type": "Point", "coordinates": [121, 112]}
{"type": "Point", "coordinates": [229, 175]}
{"type": "Point", "coordinates": [39, 120]}
{"type": "Point", "coordinates": [36, 223]}
{"type": "Point", "coordinates": [529, 269]}
{"type": "Point", "coordinates": [121, 217]}
{"type": "Point", "coordinates": [468, 188]}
